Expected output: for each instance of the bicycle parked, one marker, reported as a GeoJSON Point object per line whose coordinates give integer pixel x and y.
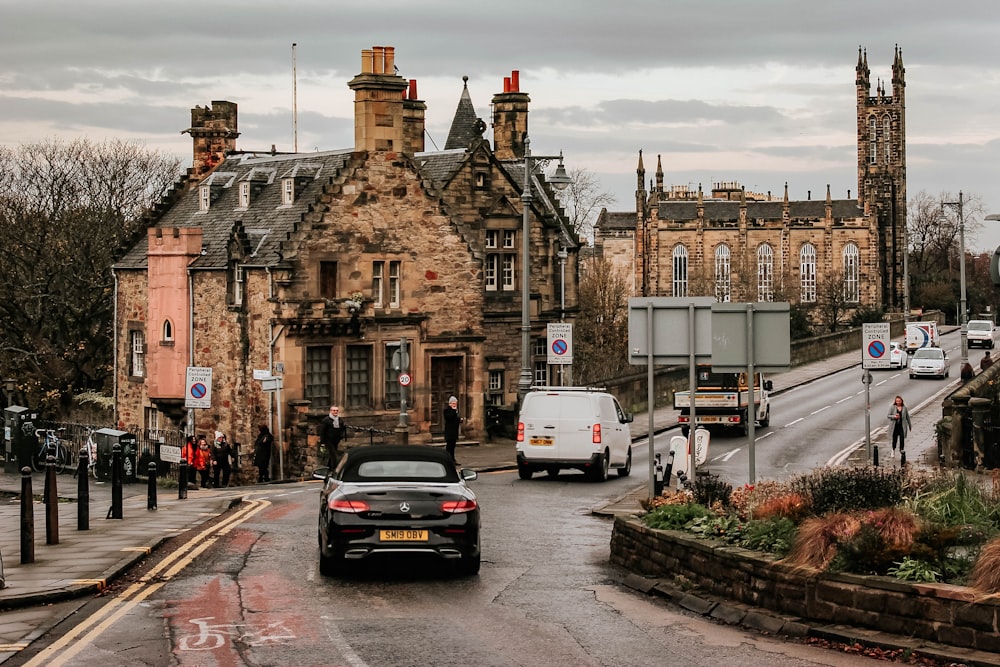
{"type": "Point", "coordinates": [90, 446]}
{"type": "Point", "coordinates": [51, 445]}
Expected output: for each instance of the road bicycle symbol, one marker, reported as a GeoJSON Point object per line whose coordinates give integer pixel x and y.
{"type": "Point", "coordinates": [214, 636]}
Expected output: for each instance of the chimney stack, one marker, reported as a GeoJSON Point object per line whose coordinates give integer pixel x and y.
{"type": "Point", "coordinates": [214, 132]}
{"type": "Point", "coordinates": [380, 113]}
{"type": "Point", "coordinates": [510, 119]}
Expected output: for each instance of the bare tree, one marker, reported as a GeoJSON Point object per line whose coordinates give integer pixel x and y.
{"type": "Point", "coordinates": [832, 306]}
{"type": "Point", "coordinates": [601, 330]}
{"type": "Point", "coordinates": [583, 199]}
{"type": "Point", "coordinates": [68, 210]}
{"type": "Point", "coordinates": [933, 231]}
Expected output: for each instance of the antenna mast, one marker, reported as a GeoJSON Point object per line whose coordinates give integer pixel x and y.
{"type": "Point", "coordinates": [295, 101]}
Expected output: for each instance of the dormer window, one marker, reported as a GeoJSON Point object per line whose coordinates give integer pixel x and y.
{"type": "Point", "coordinates": [204, 198]}
{"type": "Point", "coordinates": [245, 195]}
{"type": "Point", "coordinates": [288, 191]}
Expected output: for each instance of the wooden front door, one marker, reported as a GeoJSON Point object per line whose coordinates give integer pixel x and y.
{"type": "Point", "coordinates": [446, 381]}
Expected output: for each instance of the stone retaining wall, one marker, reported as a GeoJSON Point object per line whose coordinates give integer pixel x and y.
{"type": "Point", "coordinates": [937, 612]}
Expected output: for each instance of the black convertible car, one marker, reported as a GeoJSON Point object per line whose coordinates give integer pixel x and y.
{"type": "Point", "coordinates": [398, 499]}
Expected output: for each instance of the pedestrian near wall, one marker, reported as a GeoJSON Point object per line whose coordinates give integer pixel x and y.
{"type": "Point", "coordinates": [222, 454]}
{"type": "Point", "coordinates": [203, 462]}
{"type": "Point", "coordinates": [967, 372]}
{"type": "Point", "coordinates": [262, 453]}
{"type": "Point", "coordinates": [188, 453]}
{"type": "Point", "coordinates": [986, 361]}
{"type": "Point", "coordinates": [333, 430]}
{"type": "Point", "coordinates": [899, 415]}
{"type": "Point", "coordinates": [452, 420]}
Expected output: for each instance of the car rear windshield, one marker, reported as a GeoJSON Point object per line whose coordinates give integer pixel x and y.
{"type": "Point", "coordinates": [405, 470]}
{"type": "Point", "coordinates": [928, 353]}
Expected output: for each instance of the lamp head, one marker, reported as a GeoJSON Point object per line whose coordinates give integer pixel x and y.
{"type": "Point", "coordinates": [560, 179]}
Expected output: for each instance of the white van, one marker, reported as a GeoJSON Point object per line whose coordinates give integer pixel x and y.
{"type": "Point", "coordinates": [583, 428]}
{"type": "Point", "coordinates": [981, 333]}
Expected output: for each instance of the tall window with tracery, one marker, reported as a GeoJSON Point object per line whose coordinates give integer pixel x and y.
{"type": "Point", "coordinates": [765, 272]}
{"type": "Point", "coordinates": [872, 140]}
{"type": "Point", "coordinates": [852, 292]}
{"type": "Point", "coordinates": [680, 264]}
{"type": "Point", "coordinates": [886, 136]}
{"type": "Point", "coordinates": [723, 280]}
{"type": "Point", "coordinates": [807, 270]}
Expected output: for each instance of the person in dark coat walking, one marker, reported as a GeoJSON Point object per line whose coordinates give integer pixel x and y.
{"type": "Point", "coordinates": [333, 430]}
{"type": "Point", "coordinates": [262, 453]}
{"type": "Point", "coordinates": [222, 453]}
{"type": "Point", "coordinates": [451, 423]}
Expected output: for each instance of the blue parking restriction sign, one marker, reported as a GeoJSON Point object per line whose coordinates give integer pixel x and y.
{"type": "Point", "coordinates": [560, 343]}
{"type": "Point", "coordinates": [875, 345]}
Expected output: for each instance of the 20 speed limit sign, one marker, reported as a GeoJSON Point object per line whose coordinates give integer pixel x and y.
{"type": "Point", "coordinates": [404, 379]}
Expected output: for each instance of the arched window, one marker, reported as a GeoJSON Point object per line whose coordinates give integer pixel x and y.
{"type": "Point", "coordinates": [851, 274]}
{"type": "Point", "coordinates": [680, 261]}
{"type": "Point", "coordinates": [168, 331]}
{"type": "Point", "coordinates": [886, 136]}
{"type": "Point", "coordinates": [765, 272]}
{"type": "Point", "coordinates": [807, 270]}
{"type": "Point", "coordinates": [723, 285]}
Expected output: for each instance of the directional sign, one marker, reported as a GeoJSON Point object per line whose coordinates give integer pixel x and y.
{"type": "Point", "coordinates": [560, 342]}
{"type": "Point", "coordinates": [875, 345]}
{"type": "Point", "coordinates": [198, 392]}
{"type": "Point", "coordinates": [170, 453]}
{"type": "Point", "coordinates": [404, 379]}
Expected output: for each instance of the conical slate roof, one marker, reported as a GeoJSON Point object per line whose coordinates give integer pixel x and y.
{"type": "Point", "coordinates": [465, 126]}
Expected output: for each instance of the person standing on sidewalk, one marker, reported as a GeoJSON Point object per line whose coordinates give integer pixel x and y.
{"type": "Point", "coordinates": [967, 372]}
{"type": "Point", "coordinates": [332, 430]}
{"type": "Point", "coordinates": [203, 461]}
{"type": "Point", "coordinates": [222, 453]}
{"type": "Point", "coordinates": [188, 453]}
{"type": "Point", "coordinates": [900, 418]}
{"type": "Point", "coordinates": [262, 453]}
{"type": "Point", "coordinates": [451, 422]}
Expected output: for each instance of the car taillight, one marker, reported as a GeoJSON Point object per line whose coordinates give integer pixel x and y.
{"type": "Point", "coordinates": [520, 431]}
{"type": "Point", "coordinates": [348, 505]}
{"type": "Point", "coordinates": [596, 437]}
{"type": "Point", "coordinates": [458, 506]}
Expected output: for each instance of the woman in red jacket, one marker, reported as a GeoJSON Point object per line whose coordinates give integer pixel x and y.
{"type": "Point", "coordinates": [203, 461]}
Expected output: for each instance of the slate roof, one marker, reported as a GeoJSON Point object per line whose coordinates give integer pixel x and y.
{"type": "Point", "coordinates": [466, 126]}
{"type": "Point", "coordinates": [725, 211]}
{"type": "Point", "coordinates": [266, 221]}
{"type": "Point", "coordinates": [617, 220]}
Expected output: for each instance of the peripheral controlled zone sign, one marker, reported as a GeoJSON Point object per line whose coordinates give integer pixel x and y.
{"type": "Point", "coordinates": [875, 345]}
{"type": "Point", "coordinates": [198, 388]}
{"type": "Point", "coordinates": [560, 341]}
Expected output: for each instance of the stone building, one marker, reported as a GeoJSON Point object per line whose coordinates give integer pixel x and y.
{"type": "Point", "coordinates": [741, 246]}
{"type": "Point", "coordinates": [315, 267]}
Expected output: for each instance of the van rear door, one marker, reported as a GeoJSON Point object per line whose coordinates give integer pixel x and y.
{"type": "Point", "coordinates": [558, 426]}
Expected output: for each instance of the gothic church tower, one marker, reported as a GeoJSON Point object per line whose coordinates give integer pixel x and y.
{"type": "Point", "coordinates": [882, 170]}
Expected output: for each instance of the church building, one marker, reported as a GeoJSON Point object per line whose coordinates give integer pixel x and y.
{"type": "Point", "coordinates": [742, 246]}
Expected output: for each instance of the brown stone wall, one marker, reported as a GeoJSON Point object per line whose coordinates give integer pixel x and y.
{"type": "Point", "coordinates": [937, 612]}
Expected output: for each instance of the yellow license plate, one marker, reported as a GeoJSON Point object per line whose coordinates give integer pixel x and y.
{"type": "Point", "coordinates": [541, 442]}
{"type": "Point", "coordinates": [708, 420]}
{"type": "Point", "coordinates": [402, 535]}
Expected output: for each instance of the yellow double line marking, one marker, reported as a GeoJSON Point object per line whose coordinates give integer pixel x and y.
{"type": "Point", "coordinates": [86, 631]}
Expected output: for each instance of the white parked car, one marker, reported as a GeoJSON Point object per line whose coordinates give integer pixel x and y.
{"type": "Point", "coordinates": [929, 361]}
{"type": "Point", "coordinates": [897, 355]}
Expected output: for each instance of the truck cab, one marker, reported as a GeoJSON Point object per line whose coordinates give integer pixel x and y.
{"type": "Point", "coordinates": [722, 400]}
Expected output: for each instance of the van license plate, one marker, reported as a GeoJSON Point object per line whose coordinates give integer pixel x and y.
{"type": "Point", "coordinates": [402, 535]}
{"type": "Point", "coordinates": [541, 441]}
{"type": "Point", "coordinates": [708, 420]}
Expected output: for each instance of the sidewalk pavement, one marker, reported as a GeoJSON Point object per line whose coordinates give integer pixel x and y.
{"type": "Point", "coordinates": [85, 561]}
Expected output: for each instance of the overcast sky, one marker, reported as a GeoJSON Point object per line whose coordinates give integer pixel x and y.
{"type": "Point", "coordinates": [756, 91]}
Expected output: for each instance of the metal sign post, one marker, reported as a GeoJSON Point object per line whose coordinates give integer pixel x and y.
{"type": "Point", "coordinates": [874, 354]}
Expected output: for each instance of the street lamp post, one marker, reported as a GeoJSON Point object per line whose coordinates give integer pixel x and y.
{"type": "Point", "coordinates": [559, 180]}
{"type": "Point", "coordinates": [963, 318]}
{"type": "Point", "coordinates": [562, 255]}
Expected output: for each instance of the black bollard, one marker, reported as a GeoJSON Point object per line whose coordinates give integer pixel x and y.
{"type": "Point", "coordinates": [182, 480]}
{"type": "Point", "coordinates": [83, 491]}
{"type": "Point", "coordinates": [115, 511]}
{"type": "Point", "coordinates": [151, 488]}
{"type": "Point", "coordinates": [658, 476]}
{"type": "Point", "coordinates": [27, 518]}
{"type": "Point", "coordinates": [669, 470]}
{"type": "Point", "coordinates": [875, 456]}
{"type": "Point", "coordinates": [902, 458]}
{"type": "Point", "coordinates": [51, 502]}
